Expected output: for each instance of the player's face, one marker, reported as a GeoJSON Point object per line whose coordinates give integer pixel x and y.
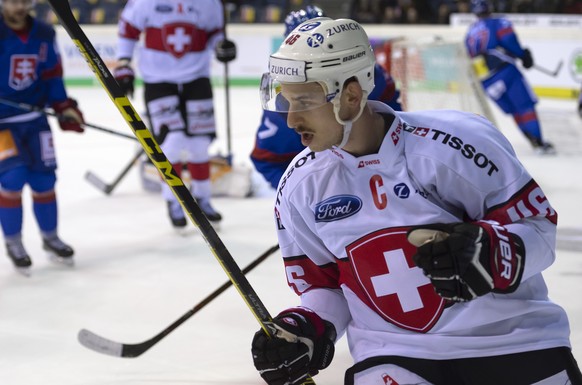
{"type": "Point", "coordinates": [317, 126]}
{"type": "Point", "coordinates": [15, 12]}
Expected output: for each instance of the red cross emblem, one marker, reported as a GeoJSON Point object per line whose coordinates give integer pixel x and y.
{"type": "Point", "coordinates": [390, 281]}
{"type": "Point", "coordinates": [178, 38]}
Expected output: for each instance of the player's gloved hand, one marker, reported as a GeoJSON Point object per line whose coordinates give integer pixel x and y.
{"type": "Point", "coordinates": [526, 59]}
{"type": "Point", "coordinates": [69, 115]}
{"type": "Point", "coordinates": [225, 51]}
{"type": "Point", "coordinates": [301, 344]}
{"type": "Point", "coordinates": [125, 77]}
{"type": "Point", "coordinates": [467, 260]}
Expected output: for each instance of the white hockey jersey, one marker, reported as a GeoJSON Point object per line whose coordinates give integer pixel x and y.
{"type": "Point", "coordinates": [342, 223]}
{"type": "Point", "coordinates": [179, 37]}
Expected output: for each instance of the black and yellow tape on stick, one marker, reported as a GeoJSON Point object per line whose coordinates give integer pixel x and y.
{"type": "Point", "coordinates": [63, 11]}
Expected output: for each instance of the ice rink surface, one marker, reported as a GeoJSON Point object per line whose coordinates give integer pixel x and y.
{"type": "Point", "coordinates": [134, 275]}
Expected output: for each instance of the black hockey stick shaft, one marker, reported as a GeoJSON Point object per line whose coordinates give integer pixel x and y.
{"type": "Point", "coordinates": [108, 188]}
{"type": "Point", "coordinates": [31, 108]}
{"type": "Point", "coordinates": [227, 95]}
{"type": "Point", "coordinates": [63, 11]}
{"type": "Point", "coordinates": [118, 349]}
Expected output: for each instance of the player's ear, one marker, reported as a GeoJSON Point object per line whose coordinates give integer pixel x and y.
{"type": "Point", "coordinates": [351, 99]}
{"type": "Point", "coordinates": [352, 93]}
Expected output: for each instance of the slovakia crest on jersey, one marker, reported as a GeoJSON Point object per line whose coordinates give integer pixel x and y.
{"type": "Point", "coordinates": [22, 71]}
{"type": "Point", "coordinates": [178, 38]}
{"type": "Point", "coordinates": [391, 284]}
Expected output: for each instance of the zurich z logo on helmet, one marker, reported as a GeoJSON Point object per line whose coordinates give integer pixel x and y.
{"type": "Point", "coordinates": [337, 207]}
{"type": "Point", "coordinates": [309, 26]}
{"type": "Point", "coordinates": [315, 40]}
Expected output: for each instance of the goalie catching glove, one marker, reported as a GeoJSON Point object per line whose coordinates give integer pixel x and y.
{"type": "Point", "coordinates": [301, 343]}
{"type": "Point", "coordinates": [467, 260]}
{"type": "Point", "coordinates": [69, 116]}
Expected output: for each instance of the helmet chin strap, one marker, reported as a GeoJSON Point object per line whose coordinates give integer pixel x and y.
{"type": "Point", "coordinates": [347, 124]}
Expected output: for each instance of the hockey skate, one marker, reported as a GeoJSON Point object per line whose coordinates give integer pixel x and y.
{"type": "Point", "coordinates": [545, 149]}
{"type": "Point", "coordinates": [176, 215]}
{"type": "Point", "coordinates": [58, 250]}
{"type": "Point", "coordinates": [542, 148]}
{"type": "Point", "coordinates": [212, 215]}
{"type": "Point", "coordinates": [19, 257]}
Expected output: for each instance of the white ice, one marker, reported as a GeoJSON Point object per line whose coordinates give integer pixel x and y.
{"type": "Point", "coordinates": [134, 275]}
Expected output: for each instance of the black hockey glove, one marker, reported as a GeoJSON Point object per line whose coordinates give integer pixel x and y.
{"type": "Point", "coordinates": [527, 59]}
{"type": "Point", "coordinates": [225, 51]}
{"type": "Point", "coordinates": [301, 344]}
{"type": "Point", "coordinates": [125, 77]}
{"type": "Point", "coordinates": [467, 260]}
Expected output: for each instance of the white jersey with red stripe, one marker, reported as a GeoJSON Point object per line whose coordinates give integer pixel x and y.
{"type": "Point", "coordinates": [342, 223]}
{"type": "Point", "coordinates": [179, 37]}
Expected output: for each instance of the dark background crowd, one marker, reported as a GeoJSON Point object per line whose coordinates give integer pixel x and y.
{"type": "Point", "coordinates": [365, 11]}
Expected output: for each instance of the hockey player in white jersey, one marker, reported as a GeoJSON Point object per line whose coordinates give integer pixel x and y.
{"type": "Point", "coordinates": [180, 37]}
{"type": "Point", "coordinates": [419, 235]}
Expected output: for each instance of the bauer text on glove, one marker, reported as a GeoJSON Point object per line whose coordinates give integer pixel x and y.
{"type": "Point", "coordinates": [466, 260]}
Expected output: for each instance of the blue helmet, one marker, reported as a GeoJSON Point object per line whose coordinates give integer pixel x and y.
{"type": "Point", "coordinates": [295, 18]}
{"type": "Point", "coordinates": [479, 7]}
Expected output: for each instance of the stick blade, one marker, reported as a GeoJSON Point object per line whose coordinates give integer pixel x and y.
{"type": "Point", "coordinates": [99, 344]}
{"type": "Point", "coordinates": [97, 182]}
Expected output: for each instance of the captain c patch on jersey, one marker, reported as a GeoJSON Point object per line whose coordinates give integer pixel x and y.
{"type": "Point", "coordinates": [22, 71]}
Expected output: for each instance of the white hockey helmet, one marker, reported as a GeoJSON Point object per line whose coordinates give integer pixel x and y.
{"type": "Point", "coordinates": [320, 50]}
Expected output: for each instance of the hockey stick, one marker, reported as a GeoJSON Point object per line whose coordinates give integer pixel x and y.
{"type": "Point", "coordinates": [63, 11]}
{"type": "Point", "coordinates": [512, 60]}
{"type": "Point", "coordinates": [31, 108]}
{"type": "Point", "coordinates": [107, 188]}
{"type": "Point", "coordinates": [106, 346]}
{"type": "Point", "coordinates": [546, 71]}
{"type": "Point", "coordinates": [227, 96]}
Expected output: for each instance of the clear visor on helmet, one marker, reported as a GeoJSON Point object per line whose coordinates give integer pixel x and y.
{"type": "Point", "coordinates": [292, 97]}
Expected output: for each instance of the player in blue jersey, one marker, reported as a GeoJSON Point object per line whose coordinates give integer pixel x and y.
{"type": "Point", "coordinates": [494, 47]}
{"type": "Point", "coordinates": [31, 73]}
{"type": "Point", "coordinates": [275, 144]}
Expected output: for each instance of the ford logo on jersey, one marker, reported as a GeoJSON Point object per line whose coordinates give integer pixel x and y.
{"type": "Point", "coordinates": [337, 207]}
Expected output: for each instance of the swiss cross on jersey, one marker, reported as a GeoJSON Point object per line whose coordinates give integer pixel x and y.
{"type": "Point", "coordinates": [388, 280]}
{"type": "Point", "coordinates": [178, 38]}
{"type": "Point", "coordinates": [22, 71]}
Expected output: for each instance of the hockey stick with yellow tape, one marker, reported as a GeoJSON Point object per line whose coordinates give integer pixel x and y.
{"type": "Point", "coordinates": [151, 147]}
